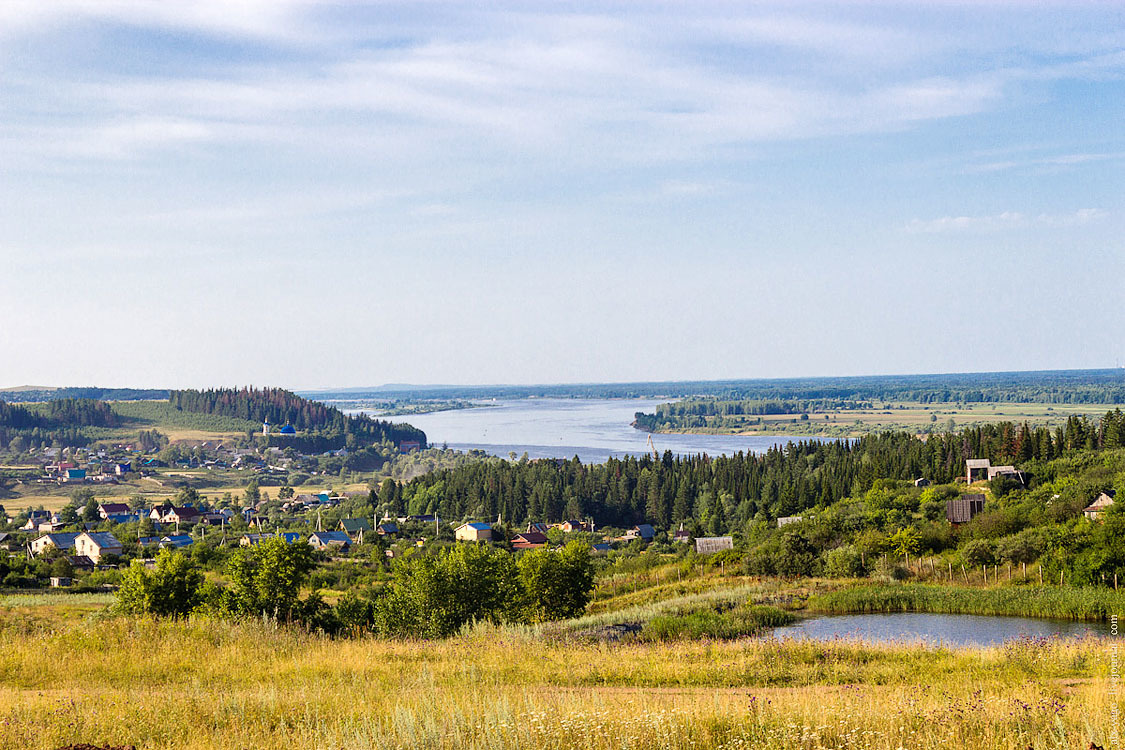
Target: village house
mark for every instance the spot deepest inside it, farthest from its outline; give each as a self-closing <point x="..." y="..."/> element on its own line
<point x="45" y="542"/>
<point x="1094" y="510"/>
<point x="985" y="470"/>
<point x="572" y="525"/>
<point x="105" y="510"/>
<point x="473" y="532"/>
<point x="34" y="518"/>
<point x="529" y="540"/>
<point x="97" y="544"/>
<point x="249" y="540"/>
<point x="323" y="539"/>
<point x="354" y="526"/>
<point x="980" y="466"/>
<point x="177" y="541"/>
<point x="681" y="535"/>
<point x="387" y="528"/>
<point x="641" y="531"/>
<point x="708" y="545"/>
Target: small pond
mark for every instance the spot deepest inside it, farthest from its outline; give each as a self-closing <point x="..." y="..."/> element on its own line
<point x="934" y="629"/>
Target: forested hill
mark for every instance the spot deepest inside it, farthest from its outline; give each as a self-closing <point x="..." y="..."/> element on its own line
<point x="739" y="488"/>
<point x="319" y="427"/>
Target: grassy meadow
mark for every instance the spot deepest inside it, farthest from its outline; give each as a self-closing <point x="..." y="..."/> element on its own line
<point x="73" y="673"/>
<point x="203" y="684"/>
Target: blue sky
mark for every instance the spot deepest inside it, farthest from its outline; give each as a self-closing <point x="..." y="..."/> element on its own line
<point x="315" y="195"/>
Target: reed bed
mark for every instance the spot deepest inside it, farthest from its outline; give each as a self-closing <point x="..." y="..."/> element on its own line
<point x="207" y="684"/>
<point x="1083" y="604"/>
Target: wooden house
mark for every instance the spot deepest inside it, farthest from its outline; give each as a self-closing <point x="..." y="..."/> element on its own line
<point x="1094" y="510"/>
<point x="962" y="509"/>
<point x="529" y="540"/>
<point x="473" y="532"/>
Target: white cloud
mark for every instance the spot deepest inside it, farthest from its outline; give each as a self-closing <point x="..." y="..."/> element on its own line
<point x="1060" y="161"/>
<point x="1007" y="220"/>
<point x="252" y="18"/>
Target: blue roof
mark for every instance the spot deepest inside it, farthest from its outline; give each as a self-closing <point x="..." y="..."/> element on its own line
<point x="324" y="537"/>
<point x="180" y="540"/>
<point x="288" y="430"/>
<point x="479" y="526"/>
<point x="103" y="538"/>
<point x="62" y="541"/>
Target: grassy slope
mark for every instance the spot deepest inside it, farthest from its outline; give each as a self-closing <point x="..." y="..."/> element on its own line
<point x="216" y="685"/>
<point x="68" y="674"/>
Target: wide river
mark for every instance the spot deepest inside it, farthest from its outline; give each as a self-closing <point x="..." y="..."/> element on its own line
<point x="592" y="429"/>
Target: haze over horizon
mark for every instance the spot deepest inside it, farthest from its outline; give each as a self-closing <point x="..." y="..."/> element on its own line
<point x="307" y="195"/>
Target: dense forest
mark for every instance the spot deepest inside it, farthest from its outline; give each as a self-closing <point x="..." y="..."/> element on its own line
<point x="1048" y="386"/>
<point x="741" y="488"/>
<point x="62" y="421"/>
<point x="319" y="427"/>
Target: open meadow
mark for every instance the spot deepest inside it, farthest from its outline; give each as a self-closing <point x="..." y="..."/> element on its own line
<point x="75" y="673"/>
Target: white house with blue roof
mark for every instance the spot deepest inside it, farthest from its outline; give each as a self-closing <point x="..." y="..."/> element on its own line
<point x="473" y="532"/>
<point x="96" y="544"/>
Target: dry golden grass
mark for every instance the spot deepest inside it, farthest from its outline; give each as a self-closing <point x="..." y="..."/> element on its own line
<point x="205" y="684"/>
<point x="188" y="435"/>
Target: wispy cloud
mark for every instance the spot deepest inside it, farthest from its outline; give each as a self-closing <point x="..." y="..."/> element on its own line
<point x="1007" y="220"/>
<point x="1056" y="162"/>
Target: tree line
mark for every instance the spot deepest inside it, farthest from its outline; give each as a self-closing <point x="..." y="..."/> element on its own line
<point x="430" y="595"/>
<point x="726" y="492"/>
